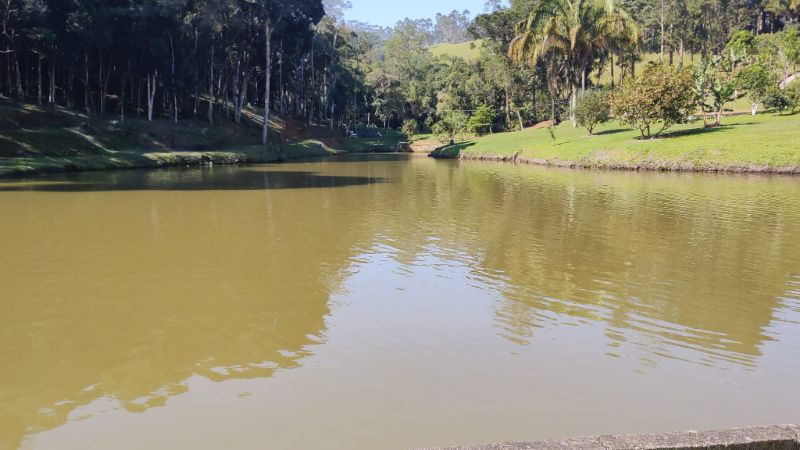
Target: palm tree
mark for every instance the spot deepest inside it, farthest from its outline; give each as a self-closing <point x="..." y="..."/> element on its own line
<point x="572" y="32"/>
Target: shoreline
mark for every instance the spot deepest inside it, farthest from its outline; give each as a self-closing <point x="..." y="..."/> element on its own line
<point x="765" y="143"/>
<point x="609" y="164"/>
<point x="778" y="437"/>
<point x="17" y="168"/>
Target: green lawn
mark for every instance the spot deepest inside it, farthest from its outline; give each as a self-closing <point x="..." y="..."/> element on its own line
<point x="762" y="142"/>
<point x="387" y="141"/>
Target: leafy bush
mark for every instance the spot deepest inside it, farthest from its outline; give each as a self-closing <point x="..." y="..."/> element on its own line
<point x="481" y="122"/>
<point x="593" y="108"/>
<point x="451" y="126"/>
<point x="792" y="93"/>
<point x="661" y="95"/>
<point x="409" y="128"/>
<point x="776" y="99"/>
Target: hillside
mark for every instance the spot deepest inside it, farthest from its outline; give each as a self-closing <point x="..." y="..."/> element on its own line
<point x="36" y="139"/>
<point x="469" y="51"/>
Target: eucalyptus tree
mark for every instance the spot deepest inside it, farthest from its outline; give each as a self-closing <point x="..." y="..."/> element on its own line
<point x="289" y="19"/>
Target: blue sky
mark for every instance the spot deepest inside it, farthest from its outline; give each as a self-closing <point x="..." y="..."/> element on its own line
<point x="389" y="12"/>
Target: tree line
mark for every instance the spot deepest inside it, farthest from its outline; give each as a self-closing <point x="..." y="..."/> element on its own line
<point x="211" y="59"/>
<point x="165" y="58"/>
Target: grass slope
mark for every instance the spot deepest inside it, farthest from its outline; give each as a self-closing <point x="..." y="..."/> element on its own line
<point x="765" y="142"/>
<point x="37" y="139"/>
<point x="469" y="51"/>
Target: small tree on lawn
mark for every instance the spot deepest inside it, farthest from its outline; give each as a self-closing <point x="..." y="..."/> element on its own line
<point x="776" y="99"/>
<point x="481" y="122"/>
<point x="409" y="128"/>
<point x="660" y="96"/>
<point x="713" y="80"/>
<point x="755" y="80"/>
<point x="450" y="127"/>
<point x="593" y="108"/>
<point x="722" y="91"/>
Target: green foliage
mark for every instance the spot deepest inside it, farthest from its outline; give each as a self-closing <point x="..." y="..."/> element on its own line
<point x="776" y="99"/>
<point x="792" y="94"/>
<point x="661" y="95"/>
<point x="790" y="43"/>
<point x="742" y="44"/>
<point x="593" y="108"/>
<point x="482" y="120"/>
<point x="755" y="80"/>
<point x="551" y="130"/>
<point x="713" y="80"/>
<point x="409" y="128"/>
<point x="450" y="127"/>
<point x="565" y="36"/>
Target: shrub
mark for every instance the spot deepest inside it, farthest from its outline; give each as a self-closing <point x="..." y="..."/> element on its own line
<point x="776" y="99"/>
<point x="593" y="108"/>
<point x="481" y="122"/>
<point x="661" y="95"/>
<point x="451" y="126"/>
<point x="792" y="93"/>
<point x="409" y="128"/>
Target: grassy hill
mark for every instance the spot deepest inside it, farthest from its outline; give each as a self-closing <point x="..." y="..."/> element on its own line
<point x="763" y="143"/>
<point x="469" y="51"/>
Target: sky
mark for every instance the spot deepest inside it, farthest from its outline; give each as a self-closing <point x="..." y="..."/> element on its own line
<point x="388" y="12"/>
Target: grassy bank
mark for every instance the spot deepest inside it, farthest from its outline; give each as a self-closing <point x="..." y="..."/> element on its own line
<point x="761" y="143"/>
<point x="37" y="140"/>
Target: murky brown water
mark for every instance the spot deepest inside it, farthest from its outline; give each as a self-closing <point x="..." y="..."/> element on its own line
<point x="388" y="302"/>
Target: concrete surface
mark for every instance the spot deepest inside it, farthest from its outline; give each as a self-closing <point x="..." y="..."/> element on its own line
<point x="779" y="437"/>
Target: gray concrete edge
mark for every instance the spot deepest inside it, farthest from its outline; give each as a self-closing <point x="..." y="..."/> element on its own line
<point x="777" y="437"/>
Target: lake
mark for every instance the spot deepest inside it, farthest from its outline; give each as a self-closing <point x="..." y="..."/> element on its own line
<point x="389" y="301"/>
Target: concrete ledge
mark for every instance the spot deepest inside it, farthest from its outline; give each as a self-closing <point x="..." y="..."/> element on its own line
<point x="779" y="437"/>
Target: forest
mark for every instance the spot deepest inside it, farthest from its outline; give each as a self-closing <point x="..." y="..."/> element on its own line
<point x="300" y="59"/>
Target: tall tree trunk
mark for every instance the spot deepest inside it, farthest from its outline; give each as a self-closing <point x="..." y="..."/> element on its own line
<point x="100" y="82"/>
<point x="237" y="113"/>
<point x="151" y="94"/>
<point x="20" y="90"/>
<point x="282" y="90"/>
<point x="39" y="80"/>
<point x="267" y="81"/>
<point x="211" y="86"/>
<point x="86" y="83"/>
<point x="573" y="103"/>
<point x="661" y="22"/>
<point x="507" y="106"/>
<point x="173" y="85"/>
<point x="313" y="82"/>
<point x="611" y="57"/>
<point x="52" y="91"/>
<point x="196" y="74"/>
